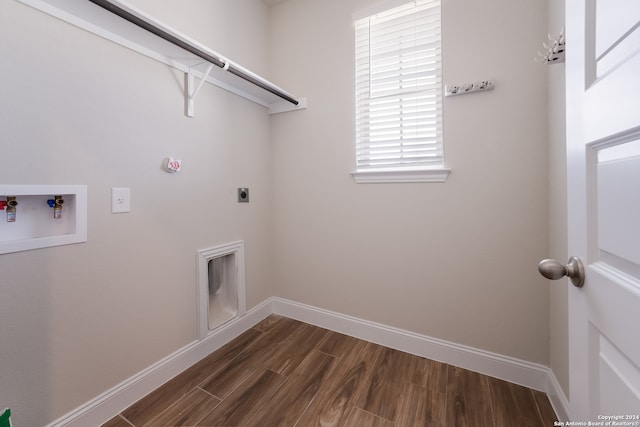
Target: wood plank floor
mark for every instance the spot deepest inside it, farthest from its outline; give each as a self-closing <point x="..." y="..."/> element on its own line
<point x="287" y="373"/>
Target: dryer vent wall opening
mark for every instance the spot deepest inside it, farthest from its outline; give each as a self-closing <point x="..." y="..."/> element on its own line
<point x="221" y="295"/>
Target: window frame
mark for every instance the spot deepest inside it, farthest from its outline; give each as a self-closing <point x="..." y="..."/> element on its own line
<point x="407" y="172"/>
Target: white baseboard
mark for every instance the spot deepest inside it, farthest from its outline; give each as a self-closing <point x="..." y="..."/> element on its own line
<point x="557" y="397"/>
<point x="110" y="403"/>
<point x="531" y="375"/>
<point x="507" y="368"/>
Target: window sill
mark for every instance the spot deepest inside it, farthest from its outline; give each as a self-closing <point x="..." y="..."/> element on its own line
<point x="389" y="176"/>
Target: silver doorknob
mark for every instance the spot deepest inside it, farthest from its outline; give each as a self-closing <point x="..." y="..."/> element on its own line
<point x="554" y="270"/>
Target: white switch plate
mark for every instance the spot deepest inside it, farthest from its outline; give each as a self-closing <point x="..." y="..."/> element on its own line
<point x="120" y="200"/>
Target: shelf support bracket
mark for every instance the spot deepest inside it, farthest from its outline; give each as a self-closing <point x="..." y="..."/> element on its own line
<point x="192" y="91"/>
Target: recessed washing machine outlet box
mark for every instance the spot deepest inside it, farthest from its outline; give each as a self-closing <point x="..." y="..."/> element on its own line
<point x="36" y="223"/>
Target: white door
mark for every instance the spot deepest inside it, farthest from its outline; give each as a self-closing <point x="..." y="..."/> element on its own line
<point x="603" y="167"/>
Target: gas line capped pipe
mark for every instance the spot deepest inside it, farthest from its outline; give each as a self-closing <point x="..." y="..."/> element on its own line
<point x="11" y="208"/>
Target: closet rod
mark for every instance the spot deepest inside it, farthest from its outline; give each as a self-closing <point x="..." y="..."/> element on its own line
<point x="105" y="4"/>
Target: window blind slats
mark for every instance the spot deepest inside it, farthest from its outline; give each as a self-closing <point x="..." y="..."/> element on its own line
<point x="408" y="149"/>
<point x="389" y="120"/>
<point x="399" y="88"/>
<point x="403" y="16"/>
<point x="418" y="35"/>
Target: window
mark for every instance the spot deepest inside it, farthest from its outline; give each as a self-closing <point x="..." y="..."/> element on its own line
<point x="399" y="95"/>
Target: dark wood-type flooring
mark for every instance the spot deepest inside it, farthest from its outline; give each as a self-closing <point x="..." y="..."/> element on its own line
<point x="283" y="372"/>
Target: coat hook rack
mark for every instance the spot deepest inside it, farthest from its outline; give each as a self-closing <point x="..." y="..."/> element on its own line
<point x="554" y="50"/>
<point x="464" y="88"/>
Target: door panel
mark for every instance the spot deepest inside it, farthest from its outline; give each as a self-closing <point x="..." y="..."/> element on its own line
<point x="614" y="347"/>
<point x="603" y="183"/>
<point x="611" y="40"/>
<point x="617" y="378"/>
<point x="617" y="36"/>
<point x="619" y="208"/>
<point x="612" y="29"/>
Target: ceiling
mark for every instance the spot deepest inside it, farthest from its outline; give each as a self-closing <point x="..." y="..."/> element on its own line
<point x="273" y="2"/>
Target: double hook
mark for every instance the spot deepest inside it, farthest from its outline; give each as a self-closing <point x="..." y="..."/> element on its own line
<point x="554" y="50"/>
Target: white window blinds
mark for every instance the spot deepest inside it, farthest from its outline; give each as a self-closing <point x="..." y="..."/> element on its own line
<point x="399" y="89"/>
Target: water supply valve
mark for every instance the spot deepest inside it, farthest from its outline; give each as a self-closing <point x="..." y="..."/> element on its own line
<point x="56" y="203"/>
<point x="12" y="203"/>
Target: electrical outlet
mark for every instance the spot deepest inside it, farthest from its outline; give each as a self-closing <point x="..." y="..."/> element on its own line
<point x="120" y="200"/>
<point x="243" y="195"/>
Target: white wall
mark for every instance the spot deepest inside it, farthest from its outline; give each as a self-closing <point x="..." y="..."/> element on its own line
<point x="456" y="261"/>
<point x="558" y="302"/>
<point x="76" y="109"/>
